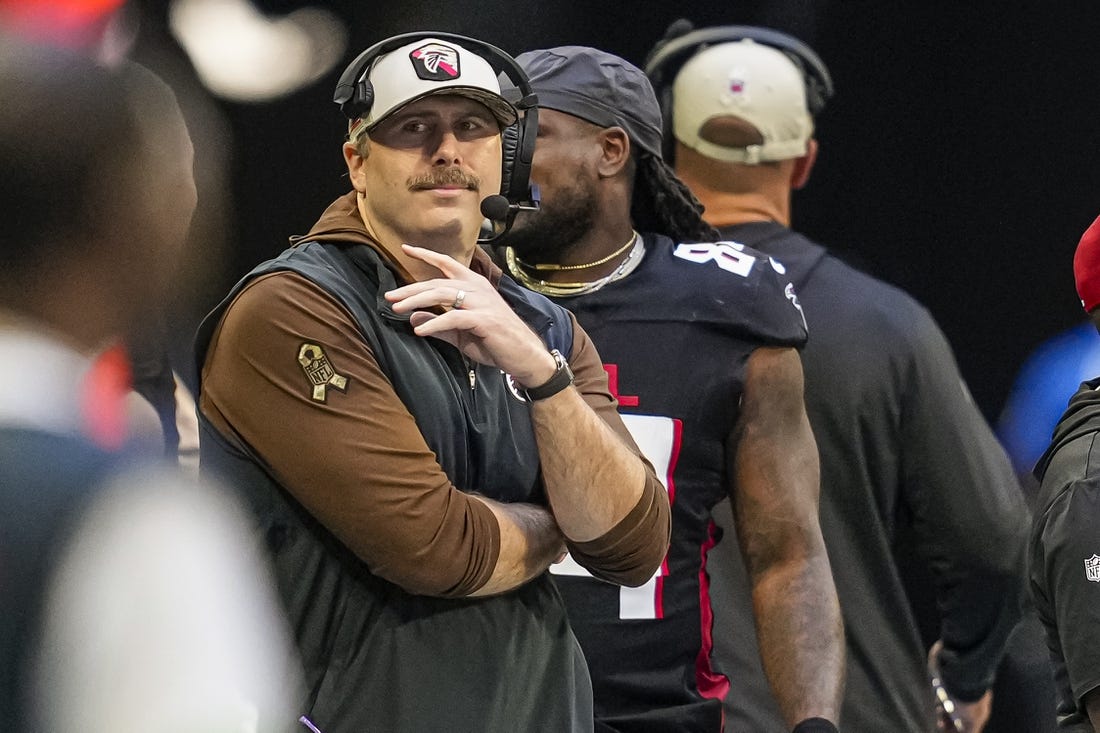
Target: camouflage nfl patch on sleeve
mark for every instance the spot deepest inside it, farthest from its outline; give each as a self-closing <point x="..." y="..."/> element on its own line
<point x="320" y="372"/>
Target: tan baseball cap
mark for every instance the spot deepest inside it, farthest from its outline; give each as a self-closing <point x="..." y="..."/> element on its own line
<point x="425" y="67"/>
<point x="753" y="82"/>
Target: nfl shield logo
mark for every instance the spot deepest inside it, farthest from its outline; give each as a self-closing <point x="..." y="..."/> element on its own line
<point x="1092" y="568"/>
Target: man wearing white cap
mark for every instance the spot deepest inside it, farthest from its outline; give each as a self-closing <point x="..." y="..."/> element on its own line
<point x="904" y="450"/>
<point x="418" y="436"/>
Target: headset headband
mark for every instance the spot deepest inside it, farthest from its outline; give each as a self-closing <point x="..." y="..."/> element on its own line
<point x="668" y="56"/>
<point x="354" y="95"/>
<point x="501" y="62"/>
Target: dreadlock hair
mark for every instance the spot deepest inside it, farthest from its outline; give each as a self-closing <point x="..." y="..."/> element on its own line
<point x="664" y="205"/>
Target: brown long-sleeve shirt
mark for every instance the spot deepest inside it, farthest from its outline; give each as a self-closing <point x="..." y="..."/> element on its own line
<point x="357" y="460"/>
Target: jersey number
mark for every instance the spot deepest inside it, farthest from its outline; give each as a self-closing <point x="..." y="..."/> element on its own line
<point x="659" y="439"/>
<point x="726" y="255"/>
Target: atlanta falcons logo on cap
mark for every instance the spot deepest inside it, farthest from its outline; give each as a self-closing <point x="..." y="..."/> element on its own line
<point x="435" y="62"/>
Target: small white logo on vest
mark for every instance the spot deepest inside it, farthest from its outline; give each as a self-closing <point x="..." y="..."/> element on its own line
<point x="1092" y="568"/>
<point x="793" y="297"/>
<point x="510" y="381"/>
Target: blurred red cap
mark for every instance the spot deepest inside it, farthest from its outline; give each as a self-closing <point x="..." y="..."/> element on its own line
<point x="1086" y="266"/>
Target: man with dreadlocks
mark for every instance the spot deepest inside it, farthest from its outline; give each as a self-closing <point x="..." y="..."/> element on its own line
<point x="700" y="341"/>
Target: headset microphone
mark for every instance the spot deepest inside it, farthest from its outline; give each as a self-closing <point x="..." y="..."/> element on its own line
<point x="495" y="207"/>
<point x="498" y="208"/>
<point x="499" y="211"/>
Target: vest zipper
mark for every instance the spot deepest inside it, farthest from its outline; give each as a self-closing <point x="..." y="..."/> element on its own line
<point x="471" y="378"/>
<point x="470" y="373"/>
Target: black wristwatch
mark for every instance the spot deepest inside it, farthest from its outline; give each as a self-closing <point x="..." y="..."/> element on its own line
<point x="562" y="378"/>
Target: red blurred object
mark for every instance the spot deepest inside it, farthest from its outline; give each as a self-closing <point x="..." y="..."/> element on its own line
<point x="103" y="402"/>
<point x="1086" y="267"/>
<point x="76" y="24"/>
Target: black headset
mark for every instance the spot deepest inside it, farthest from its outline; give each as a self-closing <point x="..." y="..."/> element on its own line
<point x="681" y="42"/>
<point x="355" y="95"/>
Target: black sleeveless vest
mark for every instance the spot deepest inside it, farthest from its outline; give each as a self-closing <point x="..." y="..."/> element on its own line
<point x="375" y="656"/>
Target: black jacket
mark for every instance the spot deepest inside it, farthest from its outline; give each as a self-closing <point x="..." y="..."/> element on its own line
<point x="1064" y="554"/>
<point x="907" y="462"/>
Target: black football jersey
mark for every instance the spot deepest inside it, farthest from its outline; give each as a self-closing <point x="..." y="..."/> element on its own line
<point x="674" y="336"/>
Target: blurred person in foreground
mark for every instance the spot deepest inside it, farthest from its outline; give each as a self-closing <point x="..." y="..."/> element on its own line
<point x="702" y="340"/>
<point x="418" y="436"/>
<point x="903" y="448"/>
<point x="1065" y="538"/>
<point x="128" y="600"/>
<point x="110" y="32"/>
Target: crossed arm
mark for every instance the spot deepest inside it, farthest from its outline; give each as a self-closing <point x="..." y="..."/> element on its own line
<point x="601" y="493"/>
<point x="605" y="497"/>
<point x="775" y="499"/>
<point x="359" y="464"/>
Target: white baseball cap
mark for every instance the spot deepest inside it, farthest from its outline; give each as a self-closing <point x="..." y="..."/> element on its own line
<point x="753" y="82"/>
<point x="425" y="67"/>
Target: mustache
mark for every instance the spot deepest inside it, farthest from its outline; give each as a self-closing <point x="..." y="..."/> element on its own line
<point x="452" y="176"/>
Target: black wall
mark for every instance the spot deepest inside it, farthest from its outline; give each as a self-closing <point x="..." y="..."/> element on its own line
<point x="960" y="156"/>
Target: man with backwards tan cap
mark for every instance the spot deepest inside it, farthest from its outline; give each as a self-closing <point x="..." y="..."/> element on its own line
<point x="904" y="450"/>
<point x="405" y="424"/>
<point x="1064" y="551"/>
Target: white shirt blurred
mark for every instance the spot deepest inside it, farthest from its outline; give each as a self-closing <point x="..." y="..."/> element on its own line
<point x="160" y="615"/>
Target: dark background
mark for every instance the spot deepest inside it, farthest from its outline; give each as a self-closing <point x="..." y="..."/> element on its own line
<point x="959" y="156"/>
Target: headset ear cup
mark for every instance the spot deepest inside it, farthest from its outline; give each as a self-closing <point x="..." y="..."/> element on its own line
<point x="509" y="145"/>
<point x="662" y="68"/>
<point x="668" y="135"/>
<point x="361" y="97"/>
<point x="815" y="96"/>
<point x="518" y="143"/>
<point x="364" y="98"/>
<point x="521" y="164"/>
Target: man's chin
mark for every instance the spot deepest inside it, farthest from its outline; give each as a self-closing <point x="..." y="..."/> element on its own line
<point x="435" y="229"/>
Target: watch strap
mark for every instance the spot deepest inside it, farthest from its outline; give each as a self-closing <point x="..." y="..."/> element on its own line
<point x="562" y="378"/>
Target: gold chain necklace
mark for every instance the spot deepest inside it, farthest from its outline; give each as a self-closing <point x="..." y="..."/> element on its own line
<point x="550" y="266"/>
<point x="564" y="290"/>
